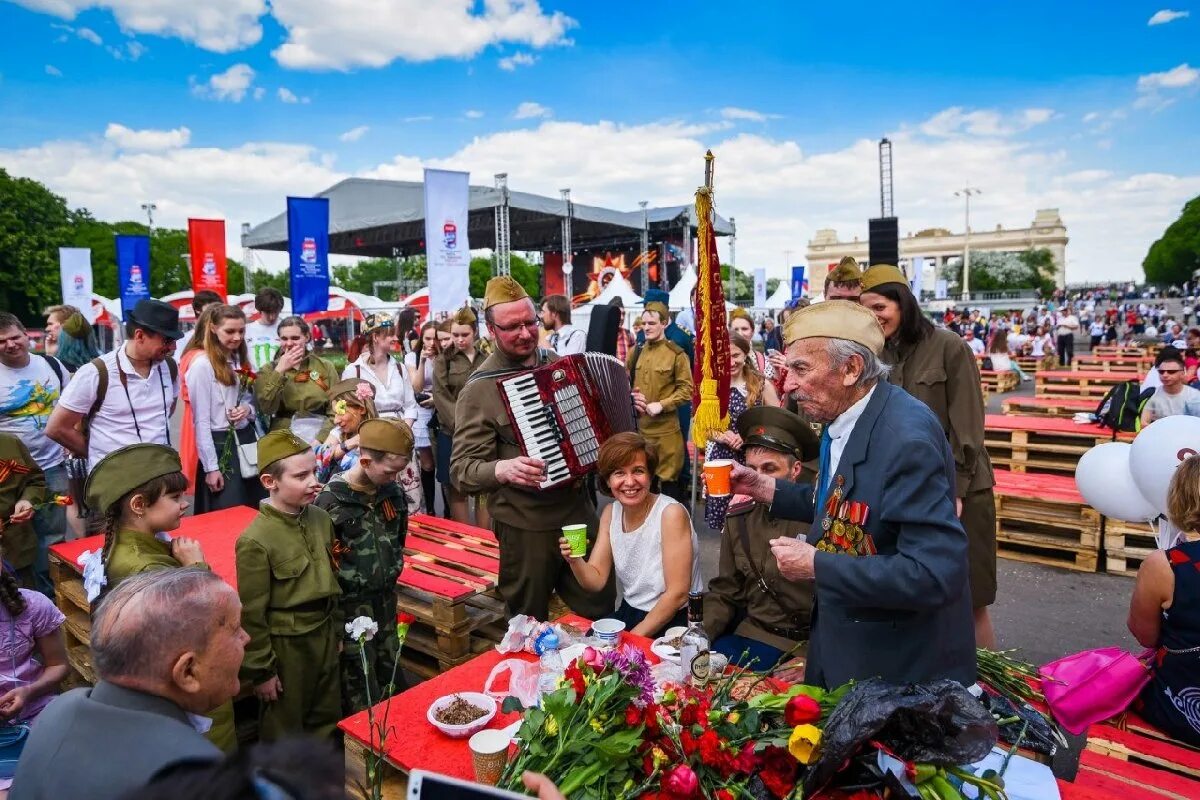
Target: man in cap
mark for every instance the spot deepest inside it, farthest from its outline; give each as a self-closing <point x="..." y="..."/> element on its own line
<point x="125" y="396"/>
<point x="370" y="520"/>
<point x="486" y="459"/>
<point x="749" y="606"/>
<point x="662" y="382"/>
<point x="886" y="554"/>
<point x="844" y="282"/>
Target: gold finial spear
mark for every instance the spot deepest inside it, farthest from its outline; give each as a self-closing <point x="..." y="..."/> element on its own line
<point x="709" y="158"/>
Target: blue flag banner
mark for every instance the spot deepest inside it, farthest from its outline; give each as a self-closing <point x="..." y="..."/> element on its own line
<point x="308" y="253"/>
<point x="133" y="271"/>
<point x="799" y="283"/>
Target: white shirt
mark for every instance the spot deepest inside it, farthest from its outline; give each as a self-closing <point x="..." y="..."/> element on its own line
<point x="262" y="341"/>
<point x="394" y="398"/>
<point x="27" y="397"/>
<point x="841" y="428"/>
<point x="975" y="345"/>
<point x="637" y="555"/>
<point x="211" y="400"/>
<point x="568" y="340"/>
<point x="139" y="414"/>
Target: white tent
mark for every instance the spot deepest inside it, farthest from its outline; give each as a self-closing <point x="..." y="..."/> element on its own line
<point x="681" y="293"/>
<point x="618" y="287"/>
<point x="781" y="297"/>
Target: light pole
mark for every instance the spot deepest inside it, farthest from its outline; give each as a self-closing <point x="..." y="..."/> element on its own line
<point x="644" y="282"/>
<point x="966" y="193"/>
<point x="150" y="208"/>
<point x="568" y="266"/>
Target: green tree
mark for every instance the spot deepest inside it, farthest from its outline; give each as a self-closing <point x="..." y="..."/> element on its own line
<point x="34" y="223"/>
<point x="1176" y="255"/>
<point x="993" y="271"/>
<point x="525" y="272"/>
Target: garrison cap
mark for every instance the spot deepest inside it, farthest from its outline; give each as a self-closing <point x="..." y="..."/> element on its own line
<point x="125" y="469"/>
<point x="780" y="430"/>
<point x="278" y="445"/>
<point x="847" y="271"/>
<point x="741" y="313"/>
<point x="503" y="289"/>
<point x="835" y="319"/>
<point x="467" y="316"/>
<point x="661" y="309"/>
<point x="377" y="321"/>
<point x="881" y="274"/>
<point x="352" y="391"/>
<point x="386" y="436"/>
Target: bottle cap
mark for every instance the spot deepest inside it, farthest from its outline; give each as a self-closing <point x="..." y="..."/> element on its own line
<point x="547" y="640"/>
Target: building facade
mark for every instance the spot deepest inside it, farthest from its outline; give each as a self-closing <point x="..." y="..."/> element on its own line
<point x="940" y="247"/>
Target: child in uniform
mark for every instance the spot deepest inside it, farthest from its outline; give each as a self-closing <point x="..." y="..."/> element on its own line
<point x="22" y="487"/>
<point x="289" y="595"/>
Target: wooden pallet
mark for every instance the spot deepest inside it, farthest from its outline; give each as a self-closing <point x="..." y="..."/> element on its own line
<point x="1047" y="551"/>
<point x="1031" y="364"/>
<point x="1146" y="746"/>
<point x="999" y="381"/>
<point x="1044" y="511"/>
<point x="1039" y="444"/>
<point x="1116" y="350"/>
<point x="395" y="781"/>
<point x="71" y="600"/>
<point x="1138" y="364"/>
<point x="1077" y="383"/>
<point x="1103" y="777"/>
<point x="1063" y="407"/>
<point x="1127" y="545"/>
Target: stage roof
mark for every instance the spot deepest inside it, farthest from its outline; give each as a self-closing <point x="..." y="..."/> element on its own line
<point x="372" y="217"/>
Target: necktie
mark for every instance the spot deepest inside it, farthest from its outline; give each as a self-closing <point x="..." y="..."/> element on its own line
<point x="822" y="477"/>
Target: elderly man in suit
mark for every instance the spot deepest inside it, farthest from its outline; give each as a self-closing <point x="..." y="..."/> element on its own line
<point x="167" y="647"/>
<point x="886" y="554"/>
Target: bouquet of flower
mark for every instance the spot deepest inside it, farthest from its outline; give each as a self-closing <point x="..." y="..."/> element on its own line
<point x="360" y="630"/>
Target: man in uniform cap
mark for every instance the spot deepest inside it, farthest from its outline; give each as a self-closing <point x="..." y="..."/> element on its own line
<point x="662" y="382"/>
<point x="486" y="459"/>
<point x="844" y="282"/>
<point x="370" y="520"/>
<point x="774" y="612"/>
<point x="886" y="554"/>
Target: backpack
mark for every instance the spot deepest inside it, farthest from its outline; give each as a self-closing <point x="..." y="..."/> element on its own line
<point x="1121" y="407"/>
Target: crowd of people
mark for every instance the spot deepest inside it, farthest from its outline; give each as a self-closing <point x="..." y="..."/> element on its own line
<point x="856" y="425"/>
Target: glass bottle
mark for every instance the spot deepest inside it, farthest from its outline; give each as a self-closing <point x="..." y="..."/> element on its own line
<point x="694" y="649"/>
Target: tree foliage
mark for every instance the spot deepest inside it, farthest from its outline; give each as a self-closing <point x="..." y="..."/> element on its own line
<point x="34" y="223"/>
<point x="992" y="271"/>
<point x="1176" y="255"/>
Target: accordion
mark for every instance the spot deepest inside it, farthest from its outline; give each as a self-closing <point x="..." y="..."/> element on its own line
<point x="562" y="412"/>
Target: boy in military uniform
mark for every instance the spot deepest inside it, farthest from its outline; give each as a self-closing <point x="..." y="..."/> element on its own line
<point x="22" y="487"/>
<point x="370" y="519"/>
<point x="750" y="608"/>
<point x="662" y="381"/>
<point x="289" y="595"/>
<point x="845" y="281"/>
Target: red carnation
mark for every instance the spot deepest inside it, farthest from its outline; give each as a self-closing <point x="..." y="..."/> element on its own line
<point x="746" y="762"/>
<point x="404" y="618"/>
<point x="573" y="674"/>
<point x="802" y="710"/>
<point x="651" y="720"/>
<point x="687" y="741"/>
<point x="633" y="715"/>
<point x="681" y="782"/>
<point x="724" y="794"/>
<point x="778" y="770"/>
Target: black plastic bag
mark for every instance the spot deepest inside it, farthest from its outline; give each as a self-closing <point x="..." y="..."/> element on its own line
<point x="938" y="722"/>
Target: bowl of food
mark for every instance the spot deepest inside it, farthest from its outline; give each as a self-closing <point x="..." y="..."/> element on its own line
<point x="667" y="646"/>
<point x="461" y="714"/>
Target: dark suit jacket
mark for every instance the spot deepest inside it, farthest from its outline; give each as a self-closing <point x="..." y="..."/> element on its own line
<point x="904" y="614"/>
<point x="103" y="742"/>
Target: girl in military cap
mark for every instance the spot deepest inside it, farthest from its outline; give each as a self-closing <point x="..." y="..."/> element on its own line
<point x="370" y="356"/>
<point x="351" y="403"/>
<point x="296" y="382"/>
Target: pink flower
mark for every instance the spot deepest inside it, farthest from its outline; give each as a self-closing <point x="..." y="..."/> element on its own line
<point x="593" y="658"/>
<point x="681" y="782"/>
<point x="364" y="391"/>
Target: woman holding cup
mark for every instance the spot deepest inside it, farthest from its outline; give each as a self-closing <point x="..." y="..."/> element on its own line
<point x="646" y="536"/>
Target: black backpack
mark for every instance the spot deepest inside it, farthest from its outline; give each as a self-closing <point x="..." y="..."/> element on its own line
<point x="1121" y="408"/>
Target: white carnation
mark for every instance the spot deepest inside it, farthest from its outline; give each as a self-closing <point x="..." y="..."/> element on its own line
<point x="362" y="629"/>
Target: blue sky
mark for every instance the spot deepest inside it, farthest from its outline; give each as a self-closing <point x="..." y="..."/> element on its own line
<point x="224" y="107"/>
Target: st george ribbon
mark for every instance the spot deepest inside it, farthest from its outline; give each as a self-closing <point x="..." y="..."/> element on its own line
<point x="308" y="253"/>
<point x="133" y="270"/>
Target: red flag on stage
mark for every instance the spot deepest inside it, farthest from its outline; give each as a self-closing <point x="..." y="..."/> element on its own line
<point x="206" y="241"/>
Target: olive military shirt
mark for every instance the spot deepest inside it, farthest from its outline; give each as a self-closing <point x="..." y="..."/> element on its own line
<point x="134" y="552"/>
<point x="450" y="372"/>
<point x="664" y="375"/>
<point x="20" y="541"/>
<point x="280" y="395"/>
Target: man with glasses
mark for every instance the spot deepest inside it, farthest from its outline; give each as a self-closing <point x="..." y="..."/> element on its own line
<point x="1174" y="396"/>
<point x="487" y="460"/>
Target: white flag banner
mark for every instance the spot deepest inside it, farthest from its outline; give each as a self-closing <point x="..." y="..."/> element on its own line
<point x="447" y="250"/>
<point x="760" y="287"/>
<point x="75" y="269"/>
<point x="917" y="275"/>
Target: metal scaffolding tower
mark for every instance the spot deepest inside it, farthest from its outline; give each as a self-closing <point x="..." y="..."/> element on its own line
<point x="885" y="179"/>
<point x="645" y="281"/>
<point x="503" y="252"/>
<point x="568" y="265"/>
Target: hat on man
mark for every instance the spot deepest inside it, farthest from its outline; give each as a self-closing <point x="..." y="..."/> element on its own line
<point x="661" y="309"/>
<point x="835" y="319"/>
<point x="125" y="469"/>
<point x="156" y="317"/>
<point x="76" y="326"/>
<point x="503" y="289"/>
<point x="881" y="274"/>
<point x="847" y="271"/>
<point x="780" y="430"/>
<point x="386" y="436"/>
<point x="278" y="445"/>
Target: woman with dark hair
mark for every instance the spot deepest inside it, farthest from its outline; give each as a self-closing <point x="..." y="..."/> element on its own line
<point x="406" y="329"/>
<point x="296" y="382"/>
<point x="938" y="368"/>
<point x="450" y="373"/>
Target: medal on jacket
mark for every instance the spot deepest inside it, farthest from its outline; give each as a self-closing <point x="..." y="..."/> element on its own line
<point x="831" y="505"/>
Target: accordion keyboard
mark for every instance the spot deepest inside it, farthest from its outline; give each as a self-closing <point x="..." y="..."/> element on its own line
<point x="539" y="429"/>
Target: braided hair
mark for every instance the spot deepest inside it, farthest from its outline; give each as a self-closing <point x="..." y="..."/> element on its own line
<point x="152" y="490"/>
<point x="10" y="594"/>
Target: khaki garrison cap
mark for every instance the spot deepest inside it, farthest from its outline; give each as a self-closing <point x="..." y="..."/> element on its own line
<point x="386" y="436"/>
<point x="835" y="319"/>
<point x="278" y="445"/>
<point x="661" y="309"/>
<point x="780" y="430"/>
<point x="881" y="274"/>
<point x="125" y="469"/>
<point x="503" y="289"/>
<point x="847" y="271"/>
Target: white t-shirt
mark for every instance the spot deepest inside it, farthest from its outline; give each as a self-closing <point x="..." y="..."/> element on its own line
<point x="976" y="346"/>
<point x="262" y="341"/>
<point x="1162" y="404"/>
<point x="140" y="415"/>
<point x="638" y="557"/>
<point x="27" y="397"/>
<point x="1000" y="362"/>
<point x="393" y="399"/>
<point x="568" y="340"/>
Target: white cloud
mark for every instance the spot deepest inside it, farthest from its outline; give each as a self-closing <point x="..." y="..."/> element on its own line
<point x="473" y="114"/>
<point x="354" y="134"/>
<point x="231" y="85"/>
<point x="1165" y="16"/>
<point x="734" y="113"/>
<point x="89" y="35"/>
<point x="530" y="110"/>
<point x="259" y="92"/>
<point x="1175" y="78"/>
<point x="218" y="25"/>
<point x="956" y="121"/>
<point x="53" y="71"/>
<point x="1091" y="116"/>
<point x="286" y="95"/>
<point x="343" y="34"/>
<point x="420" y="118"/>
<point x="136" y="50"/>
<point x="510" y="63"/>
<point x="148" y="139"/>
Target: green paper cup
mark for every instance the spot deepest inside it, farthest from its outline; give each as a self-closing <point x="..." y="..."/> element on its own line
<point x="576" y="536"/>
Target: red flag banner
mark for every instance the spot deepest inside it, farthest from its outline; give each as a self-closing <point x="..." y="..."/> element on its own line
<point x="206" y="241"/>
<point x="710" y="371"/>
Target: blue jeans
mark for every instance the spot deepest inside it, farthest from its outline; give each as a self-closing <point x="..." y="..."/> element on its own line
<point x="740" y="650"/>
<point x="50" y="524"/>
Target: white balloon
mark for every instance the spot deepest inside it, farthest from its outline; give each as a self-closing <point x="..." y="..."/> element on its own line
<point x="1104" y="479"/>
<point x="1157" y="452"/>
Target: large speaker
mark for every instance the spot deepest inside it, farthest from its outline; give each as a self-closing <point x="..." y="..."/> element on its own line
<point x="884" y="247"/>
<point x="602" y="329"/>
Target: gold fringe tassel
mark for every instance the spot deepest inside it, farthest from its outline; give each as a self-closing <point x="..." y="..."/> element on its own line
<point x="707" y="416"/>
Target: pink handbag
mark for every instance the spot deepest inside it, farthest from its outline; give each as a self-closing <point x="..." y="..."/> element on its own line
<point x="1095" y="685"/>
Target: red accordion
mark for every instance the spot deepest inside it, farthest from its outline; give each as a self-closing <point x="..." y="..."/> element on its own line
<point x="562" y="412"/>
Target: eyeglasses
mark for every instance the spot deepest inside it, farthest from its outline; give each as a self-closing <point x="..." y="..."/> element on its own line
<point x="530" y="324"/>
<point x="1169" y="371"/>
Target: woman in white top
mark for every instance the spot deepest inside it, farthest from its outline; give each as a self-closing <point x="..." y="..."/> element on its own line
<point x="420" y="370"/>
<point x="646" y="536"/>
<point x="1042" y="343"/>
<point x="220" y="385"/>
<point x="371" y="360"/>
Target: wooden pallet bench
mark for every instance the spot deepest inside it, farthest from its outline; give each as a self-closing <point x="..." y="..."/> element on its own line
<point x="449" y="585"/>
<point x="1127" y="545"/>
<point x="1078" y="383"/>
<point x="1123" y="350"/>
<point x="1031" y="364"/>
<point x="999" y="381"/>
<point x="1143" y="757"/>
<point x="1041" y="444"/>
<point x="1064" y="407"/>
<point x="1139" y="364"/>
<point x="1043" y="519"/>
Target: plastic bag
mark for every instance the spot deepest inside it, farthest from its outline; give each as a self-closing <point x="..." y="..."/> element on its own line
<point x="520" y="630"/>
<point x="522" y="681"/>
<point x="938" y="722"/>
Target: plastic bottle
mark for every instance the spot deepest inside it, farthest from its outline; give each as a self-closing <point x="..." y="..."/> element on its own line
<point x="551" y="665"/>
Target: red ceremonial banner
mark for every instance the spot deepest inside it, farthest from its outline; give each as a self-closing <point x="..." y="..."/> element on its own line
<point x="206" y="241"/>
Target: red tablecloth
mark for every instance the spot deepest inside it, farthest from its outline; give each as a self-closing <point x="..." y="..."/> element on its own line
<point x="412" y="743"/>
<point x="1009" y="422"/>
<point x="216" y="531"/>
